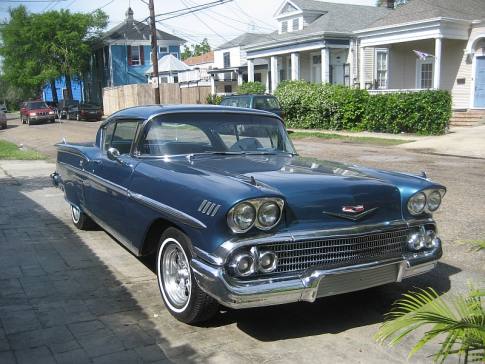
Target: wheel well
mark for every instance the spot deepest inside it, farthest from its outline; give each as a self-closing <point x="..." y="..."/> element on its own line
<point x="152" y="237"/>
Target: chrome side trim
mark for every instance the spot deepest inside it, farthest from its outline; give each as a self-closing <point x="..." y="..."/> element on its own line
<point x="168" y="211"/>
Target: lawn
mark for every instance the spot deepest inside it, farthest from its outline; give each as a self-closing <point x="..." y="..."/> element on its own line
<point x="348" y="139"/>
<point x="11" y="151"/>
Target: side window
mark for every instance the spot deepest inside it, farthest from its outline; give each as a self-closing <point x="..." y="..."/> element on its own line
<point x="174" y="138"/>
<point x="120" y="135"/>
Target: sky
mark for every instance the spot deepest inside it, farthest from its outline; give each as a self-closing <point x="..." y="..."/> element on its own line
<point x="218" y="24"/>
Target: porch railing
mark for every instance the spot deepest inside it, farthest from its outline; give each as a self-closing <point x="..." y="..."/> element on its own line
<point x="396" y="90"/>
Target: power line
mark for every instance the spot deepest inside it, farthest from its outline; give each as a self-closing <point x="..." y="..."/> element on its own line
<point x="191" y="10"/>
<point x="206" y="25"/>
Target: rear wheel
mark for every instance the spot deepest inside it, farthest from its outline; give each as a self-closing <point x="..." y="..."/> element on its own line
<point x="180" y="292"/>
<point x="80" y="219"/>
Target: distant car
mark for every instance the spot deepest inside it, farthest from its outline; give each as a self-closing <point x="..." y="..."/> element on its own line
<point x="259" y="102"/>
<point x="63" y="107"/>
<point x="3" y="108"/>
<point x="3" y="120"/>
<point x="36" y="111"/>
<point x="85" y="111"/>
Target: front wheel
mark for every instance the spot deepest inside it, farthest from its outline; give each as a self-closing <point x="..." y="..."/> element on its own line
<point x="80" y="219"/>
<point x="180" y="292"/>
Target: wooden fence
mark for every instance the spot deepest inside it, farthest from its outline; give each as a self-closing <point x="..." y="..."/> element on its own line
<point x="120" y="97"/>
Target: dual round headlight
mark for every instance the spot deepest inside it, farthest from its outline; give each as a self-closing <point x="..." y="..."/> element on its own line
<point x="262" y="213"/>
<point x="428" y="200"/>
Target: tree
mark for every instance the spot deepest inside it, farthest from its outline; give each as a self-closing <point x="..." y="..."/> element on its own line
<point x="460" y="320"/>
<point x="196" y="49"/>
<point x="41" y="47"/>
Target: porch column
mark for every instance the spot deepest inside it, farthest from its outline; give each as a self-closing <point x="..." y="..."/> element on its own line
<point x="240" y="79"/>
<point x="325" y="52"/>
<point x="361" y="58"/>
<point x="213" y="84"/>
<point x="275" y="77"/>
<point x="268" y="70"/>
<point x="437" y="63"/>
<point x="250" y="70"/>
<point x="295" y="66"/>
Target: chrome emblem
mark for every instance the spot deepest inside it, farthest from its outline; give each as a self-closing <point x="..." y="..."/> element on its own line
<point x="353" y="209"/>
<point x="353" y="213"/>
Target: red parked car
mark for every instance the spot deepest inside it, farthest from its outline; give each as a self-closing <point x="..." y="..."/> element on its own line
<point x="36" y="111"/>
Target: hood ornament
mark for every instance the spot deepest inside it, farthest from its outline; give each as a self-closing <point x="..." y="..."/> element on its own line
<point x="353" y="213"/>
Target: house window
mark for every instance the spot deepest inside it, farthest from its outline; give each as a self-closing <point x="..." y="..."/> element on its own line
<point x="227" y="59"/>
<point x="135" y="56"/>
<point x="284" y="26"/>
<point x="257" y="77"/>
<point x="162" y="49"/>
<point x="227" y="89"/>
<point x="382" y="68"/>
<point x="296" y="24"/>
<point x="424" y="76"/>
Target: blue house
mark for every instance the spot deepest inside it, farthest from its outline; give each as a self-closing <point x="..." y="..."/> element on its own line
<point x="124" y="55"/>
<point x="77" y="88"/>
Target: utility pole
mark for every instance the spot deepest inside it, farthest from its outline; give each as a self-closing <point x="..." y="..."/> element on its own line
<point x="153" y="27"/>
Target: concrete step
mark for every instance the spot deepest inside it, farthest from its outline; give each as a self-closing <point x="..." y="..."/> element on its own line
<point x="463" y="124"/>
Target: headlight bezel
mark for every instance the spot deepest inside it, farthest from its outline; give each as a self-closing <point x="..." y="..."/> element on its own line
<point x="427" y="193"/>
<point x="257" y="203"/>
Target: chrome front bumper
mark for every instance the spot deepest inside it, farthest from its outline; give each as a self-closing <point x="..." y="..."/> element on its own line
<point x="312" y="284"/>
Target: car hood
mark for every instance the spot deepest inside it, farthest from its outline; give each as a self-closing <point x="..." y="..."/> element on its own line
<point x="315" y="191"/>
<point x="40" y="110"/>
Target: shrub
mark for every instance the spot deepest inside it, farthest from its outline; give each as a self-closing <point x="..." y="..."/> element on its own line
<point x="214" y="99"/>
<point x="252" y="88"/>
<point x="326" y="106"/>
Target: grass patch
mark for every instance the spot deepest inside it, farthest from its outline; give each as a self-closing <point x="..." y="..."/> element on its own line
<point x="347" y="139"/>
<point x="11" y="151"/>
<point x="476" y="245"/>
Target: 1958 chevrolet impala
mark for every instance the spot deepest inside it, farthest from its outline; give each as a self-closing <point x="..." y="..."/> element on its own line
<point x="236" y="217"/>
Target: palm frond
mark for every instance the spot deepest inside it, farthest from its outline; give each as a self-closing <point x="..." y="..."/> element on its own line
<point x="460" y="320"/>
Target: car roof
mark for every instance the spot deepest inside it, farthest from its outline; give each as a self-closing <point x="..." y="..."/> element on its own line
<point x="147" y="111"/>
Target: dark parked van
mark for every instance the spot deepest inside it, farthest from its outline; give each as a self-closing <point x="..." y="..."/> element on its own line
<point x="260" y="102"/>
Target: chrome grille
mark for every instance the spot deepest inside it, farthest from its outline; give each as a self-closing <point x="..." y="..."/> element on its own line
<point x="337" y="252"/>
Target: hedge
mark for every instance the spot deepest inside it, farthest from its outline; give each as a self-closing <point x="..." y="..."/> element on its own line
<point x="252" y="88"/>
<point x="325" y="106"/>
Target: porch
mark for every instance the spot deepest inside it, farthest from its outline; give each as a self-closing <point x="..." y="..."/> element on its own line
<point x="317" y="62"/>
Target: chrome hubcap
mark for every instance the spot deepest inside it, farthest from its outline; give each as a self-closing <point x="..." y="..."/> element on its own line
<point x="176" y="275"/>
<point x="76" y="214"/>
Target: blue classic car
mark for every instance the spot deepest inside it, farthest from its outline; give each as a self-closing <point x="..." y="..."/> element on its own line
<point x="236" y="217"/>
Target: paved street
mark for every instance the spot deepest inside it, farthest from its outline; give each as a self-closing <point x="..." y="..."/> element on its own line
<point x="68" y="296"/>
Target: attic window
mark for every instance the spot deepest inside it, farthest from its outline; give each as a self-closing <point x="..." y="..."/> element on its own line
<point x="284" y="26"/>
<point x="163" y="49"/>
<point x="296" y="24"/>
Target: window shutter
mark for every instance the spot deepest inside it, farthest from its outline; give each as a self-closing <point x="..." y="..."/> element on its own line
<point x="142" y="55"/>
<point x="129" y="55"/>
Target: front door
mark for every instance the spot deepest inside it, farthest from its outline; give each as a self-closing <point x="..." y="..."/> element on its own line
<point x="479" y="100"/>
<point x="316" y="68"/>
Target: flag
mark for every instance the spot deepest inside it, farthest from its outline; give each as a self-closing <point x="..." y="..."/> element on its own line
<point x="422" y="55"/>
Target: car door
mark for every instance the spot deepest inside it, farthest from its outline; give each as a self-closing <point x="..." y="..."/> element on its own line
<point x="107" y="192"/>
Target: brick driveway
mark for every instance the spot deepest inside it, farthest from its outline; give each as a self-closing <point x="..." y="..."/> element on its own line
<point x="68" y="296"/>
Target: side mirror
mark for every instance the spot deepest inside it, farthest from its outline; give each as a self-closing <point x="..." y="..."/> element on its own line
<point x="113" y="154"/>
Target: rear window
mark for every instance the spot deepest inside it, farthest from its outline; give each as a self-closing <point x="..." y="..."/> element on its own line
<point x="37" y="105"/>
<point x="266" y="103"/>
<point x="240" y="101"/>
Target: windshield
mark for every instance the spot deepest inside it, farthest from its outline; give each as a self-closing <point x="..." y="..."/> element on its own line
<point x="266" y="103"/>
<point x="37" y="105"/>
<point x="202" y="133"/>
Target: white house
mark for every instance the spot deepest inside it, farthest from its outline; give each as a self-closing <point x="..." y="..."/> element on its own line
<point x="169" y="68"/>
<point x="230" y="64"/>
<point x="314" y="42"/>
<point x="198" y="74"/>
<point x="450" y="33"/>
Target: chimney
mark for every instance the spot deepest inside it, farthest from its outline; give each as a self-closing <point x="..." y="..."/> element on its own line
<point x="129" y="14"/>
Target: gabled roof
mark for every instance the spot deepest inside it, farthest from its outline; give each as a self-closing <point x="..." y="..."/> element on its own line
<point x="168" y="64"/>
<point x="335" y="18"/>
<point x="244" y="39"/>
<point x="203" y="58"/>
<point x="131" y="29"/>
<point x="416" y="10"/>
